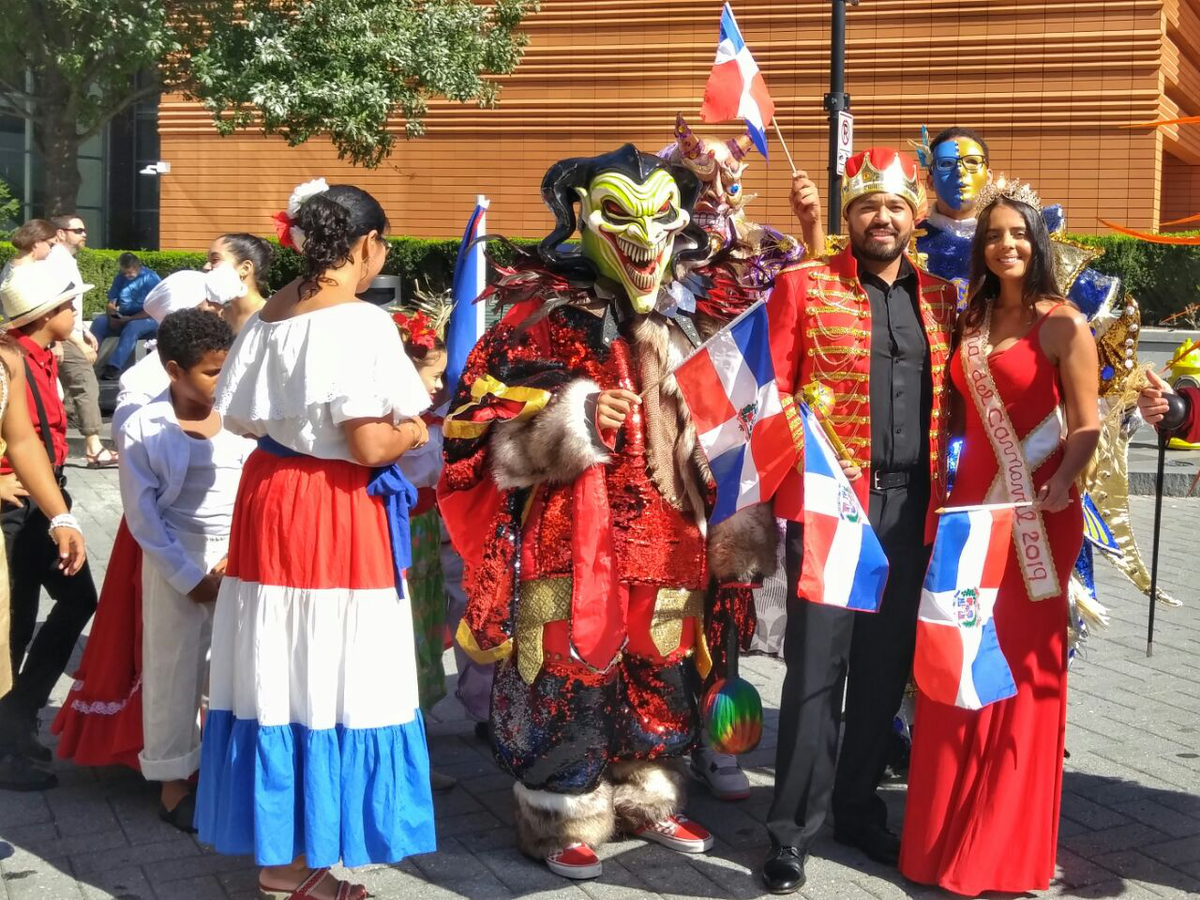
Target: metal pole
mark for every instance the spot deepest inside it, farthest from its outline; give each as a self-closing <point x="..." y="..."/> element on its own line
<point x="837" y="100"/>
<point x="1158" y="498"/>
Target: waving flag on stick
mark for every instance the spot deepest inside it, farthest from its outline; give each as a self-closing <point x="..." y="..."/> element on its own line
<point x="745" y="431"/>
<point x="466" y="324"/>
<point x="958" y="659"/>
<point x="736" y="89"/>
<point x="844" y="563"/>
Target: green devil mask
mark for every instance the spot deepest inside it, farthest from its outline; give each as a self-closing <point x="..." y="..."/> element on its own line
<point x="635" y="220"/>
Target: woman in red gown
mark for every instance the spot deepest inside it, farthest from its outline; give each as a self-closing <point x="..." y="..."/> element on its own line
<point x="984" y="785"/>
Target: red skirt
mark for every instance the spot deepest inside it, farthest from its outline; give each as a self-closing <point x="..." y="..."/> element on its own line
<point x="100" y="724"/>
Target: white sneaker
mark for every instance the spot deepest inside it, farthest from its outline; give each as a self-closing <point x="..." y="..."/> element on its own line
<point x="721" y="773"/>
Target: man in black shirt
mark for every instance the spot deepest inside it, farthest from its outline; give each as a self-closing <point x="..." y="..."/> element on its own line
<point x="874" y="330"/>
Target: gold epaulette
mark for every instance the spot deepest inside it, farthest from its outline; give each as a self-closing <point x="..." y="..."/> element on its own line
<point x="810" y="263"/>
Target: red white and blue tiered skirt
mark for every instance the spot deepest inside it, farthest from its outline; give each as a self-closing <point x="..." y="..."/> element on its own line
<point x="314" y="742"/>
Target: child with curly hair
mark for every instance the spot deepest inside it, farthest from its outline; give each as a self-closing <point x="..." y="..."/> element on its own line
<point x="179" y="478"/>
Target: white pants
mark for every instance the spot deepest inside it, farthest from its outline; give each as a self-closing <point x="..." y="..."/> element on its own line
<point x="176" y="638"/>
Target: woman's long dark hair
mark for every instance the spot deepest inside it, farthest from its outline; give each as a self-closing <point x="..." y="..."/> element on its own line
<point x="1040" y="282"/>
<point x="332" y="222"/>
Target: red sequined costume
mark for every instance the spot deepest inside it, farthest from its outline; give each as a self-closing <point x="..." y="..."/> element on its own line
<point x="586" y="565"/>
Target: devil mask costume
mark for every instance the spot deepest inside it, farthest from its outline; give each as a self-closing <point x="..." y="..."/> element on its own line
<point x="587" y="557"/>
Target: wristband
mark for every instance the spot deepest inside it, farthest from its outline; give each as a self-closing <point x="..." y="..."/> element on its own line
<point x="65" y="520"/>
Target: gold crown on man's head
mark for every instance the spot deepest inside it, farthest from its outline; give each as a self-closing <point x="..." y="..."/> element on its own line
<point x="1014" y="189"/>
<point x="881" y="170"/>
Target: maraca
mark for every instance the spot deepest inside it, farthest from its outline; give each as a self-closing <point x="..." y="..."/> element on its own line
<point x="732" y="708"/>
<point x="733" y="715"/>
<point x="819" y="398"/>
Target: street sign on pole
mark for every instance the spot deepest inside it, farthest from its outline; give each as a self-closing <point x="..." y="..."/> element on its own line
<point x="845" y="140"/>
<point x="837" y="103"/>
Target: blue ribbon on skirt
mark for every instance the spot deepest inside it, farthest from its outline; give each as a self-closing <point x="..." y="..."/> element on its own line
<point x="395" y="492"/>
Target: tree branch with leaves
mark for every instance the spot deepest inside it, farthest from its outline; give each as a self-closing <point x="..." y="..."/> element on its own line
<point x="346" y="69"/>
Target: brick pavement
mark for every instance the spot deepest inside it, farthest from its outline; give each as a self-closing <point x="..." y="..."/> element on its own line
<point x="1131" y="809"/>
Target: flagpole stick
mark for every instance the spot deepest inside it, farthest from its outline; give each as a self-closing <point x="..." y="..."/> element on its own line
<point x="983" y="507"/>
<point x="786" y="151"/>
<point x="1158" y="498"/>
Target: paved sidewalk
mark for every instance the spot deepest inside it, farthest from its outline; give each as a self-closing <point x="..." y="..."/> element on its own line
<point x="1131" y="813"/>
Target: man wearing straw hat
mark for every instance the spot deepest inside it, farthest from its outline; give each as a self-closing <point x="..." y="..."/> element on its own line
<point x="869" y="332"/>
<point x="38" y="302"/>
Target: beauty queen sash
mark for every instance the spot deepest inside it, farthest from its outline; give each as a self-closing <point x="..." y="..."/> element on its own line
<point x="1029" y="531"/>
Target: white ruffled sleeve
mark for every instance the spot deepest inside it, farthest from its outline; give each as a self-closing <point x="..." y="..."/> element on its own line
<point x="385" y="382"/>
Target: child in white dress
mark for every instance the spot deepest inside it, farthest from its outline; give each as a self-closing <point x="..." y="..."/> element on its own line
<point x="179" y="479"/>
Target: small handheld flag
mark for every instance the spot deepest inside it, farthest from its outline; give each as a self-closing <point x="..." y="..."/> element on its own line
<point x="736" y="88"/>
<point x="729" y="387"/>
<point x="844" y="563"/>
<point x="466" y="324"/>
<point x="958" y="659"/>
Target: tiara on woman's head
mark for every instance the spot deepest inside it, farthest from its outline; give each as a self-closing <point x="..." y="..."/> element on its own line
<point x="1017" y="190"/>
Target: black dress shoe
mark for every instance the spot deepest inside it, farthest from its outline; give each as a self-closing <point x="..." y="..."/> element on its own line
<point x="183" y="816"/>
<point x="18" y="734"/>
<point x="20" y="773"/>
<point x="877" y="841"/>
<point x="783" y="872"/>
<point x="28" y="745"/>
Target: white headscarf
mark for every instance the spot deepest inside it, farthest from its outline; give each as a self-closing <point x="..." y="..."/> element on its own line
<point x="186" y="289"/>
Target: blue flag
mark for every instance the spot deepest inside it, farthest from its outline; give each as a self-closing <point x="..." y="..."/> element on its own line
<point x="470" y="277"/>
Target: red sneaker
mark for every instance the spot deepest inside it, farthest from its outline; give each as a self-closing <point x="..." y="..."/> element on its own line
<point x="575" y="861"/>
<point x="679" y="833"/>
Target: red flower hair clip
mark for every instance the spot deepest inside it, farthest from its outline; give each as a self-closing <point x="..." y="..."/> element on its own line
<point x="416" y="330"/>
<point x="283" y="229"/>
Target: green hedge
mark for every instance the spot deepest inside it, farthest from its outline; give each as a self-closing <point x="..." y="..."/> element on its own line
<point x="1165" y="279"/>
<point x="418" y="261"/>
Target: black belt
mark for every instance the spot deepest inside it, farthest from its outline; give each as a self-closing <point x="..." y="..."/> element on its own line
<point x="890" y="481"/>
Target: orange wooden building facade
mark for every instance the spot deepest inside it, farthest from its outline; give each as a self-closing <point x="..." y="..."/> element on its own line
<point x="1049" y="84"/>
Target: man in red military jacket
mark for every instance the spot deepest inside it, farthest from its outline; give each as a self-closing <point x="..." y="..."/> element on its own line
<point x="1174" y="413"/>
<point x="870" y="328"/>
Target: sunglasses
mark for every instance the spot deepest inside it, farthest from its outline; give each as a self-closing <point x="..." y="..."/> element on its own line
<point x="76" y="230"/>
<point x="971" y="164"/>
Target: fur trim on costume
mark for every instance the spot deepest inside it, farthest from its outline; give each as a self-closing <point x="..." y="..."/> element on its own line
<point x="673" y="455"/>
<point x="645" y="792"/>
<point x="548" y="822"/>
<point x="556" y="445"/>
<point x="744" y="547"/>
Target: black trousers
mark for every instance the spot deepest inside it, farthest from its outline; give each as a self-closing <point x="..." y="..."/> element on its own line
<point x="868" y="656"/>
<point x="32" y="565"/>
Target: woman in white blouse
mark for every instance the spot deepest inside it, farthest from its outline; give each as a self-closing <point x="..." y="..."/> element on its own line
<point x="314" y="750"/>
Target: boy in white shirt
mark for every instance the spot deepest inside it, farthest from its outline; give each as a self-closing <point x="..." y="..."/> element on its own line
<point x="179" y="478"/>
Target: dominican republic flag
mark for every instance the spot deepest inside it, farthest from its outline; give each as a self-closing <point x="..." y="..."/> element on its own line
<point x="736" y="89"/>
<point x="729" y="387"/>
<point x="466" y="325"/>
<point x="844" y="563"/>
<point x="958" y="660"/>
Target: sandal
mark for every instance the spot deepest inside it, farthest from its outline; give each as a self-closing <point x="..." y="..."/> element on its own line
<point x="303" y="891"/>
<point x="103" y="459"/>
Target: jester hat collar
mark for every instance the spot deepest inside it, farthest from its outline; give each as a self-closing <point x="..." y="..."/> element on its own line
<point x="635" y="223"/>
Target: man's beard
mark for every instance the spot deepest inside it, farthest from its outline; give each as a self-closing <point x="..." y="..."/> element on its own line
<point x="881" y="251"/>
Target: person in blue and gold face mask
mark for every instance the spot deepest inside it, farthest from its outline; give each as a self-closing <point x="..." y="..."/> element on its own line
<point x="958" y="172"/>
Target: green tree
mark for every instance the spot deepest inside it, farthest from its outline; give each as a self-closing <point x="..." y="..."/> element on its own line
<point x="10" y="206"/>
<point x="296" y="68"/>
